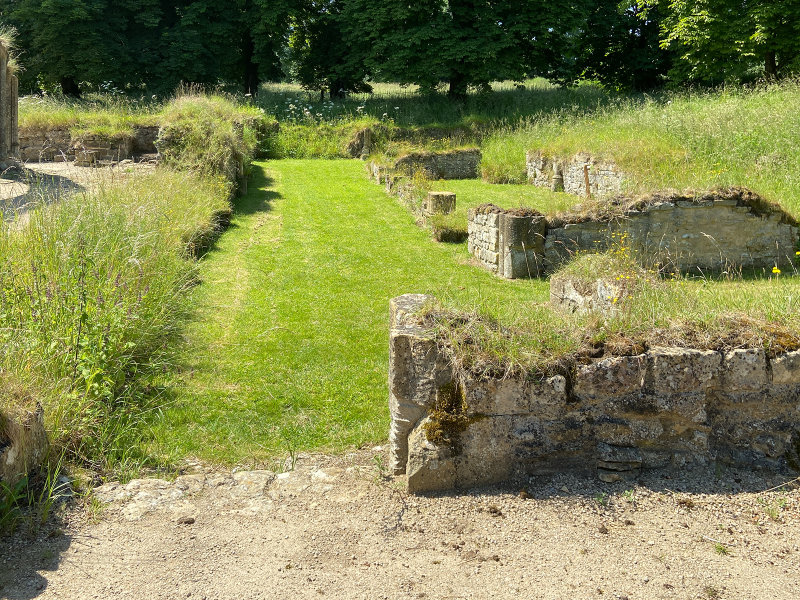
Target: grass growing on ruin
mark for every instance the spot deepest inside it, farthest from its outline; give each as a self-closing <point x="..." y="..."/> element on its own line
<point x="116" y="114"/>
<point x="98" y="113"/>
<point x="290" y="348"/>
<point x="682" y="311"/>
<point x="734" y="136"/>
<point x="471" y="193"/>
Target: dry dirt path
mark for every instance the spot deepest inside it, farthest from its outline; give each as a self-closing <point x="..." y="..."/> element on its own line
<point x="334" y="528"/>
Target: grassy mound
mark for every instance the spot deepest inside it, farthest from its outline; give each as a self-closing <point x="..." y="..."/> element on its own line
<point x="729" y="137"/>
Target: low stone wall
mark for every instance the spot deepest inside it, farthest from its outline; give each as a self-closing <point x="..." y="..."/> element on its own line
<point x="509" y="243"/>
<point x="667" y="407"/>
<point x="711" y="232"/>
<point x="59" y="144"/>
<point x="452" y="164"/>
<point x="571" y="175"/>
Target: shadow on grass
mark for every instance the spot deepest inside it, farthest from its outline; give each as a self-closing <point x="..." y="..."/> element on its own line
<point x="259" y="196"/>
<point x="258" y="199"/>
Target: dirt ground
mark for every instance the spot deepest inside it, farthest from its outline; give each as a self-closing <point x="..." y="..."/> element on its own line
<point x="335" y="527"/>
<point x="21" y="188"/>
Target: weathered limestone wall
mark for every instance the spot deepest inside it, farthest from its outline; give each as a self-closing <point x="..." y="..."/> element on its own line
<point x="453" y="164"/>
<point x="570" y="176"/>
<point x="59" y="144"/>
<point x="710" y="233"/>
<point x="9" y="91"/>
<point x="509" y="243"/>
<point x="668" y="407"/>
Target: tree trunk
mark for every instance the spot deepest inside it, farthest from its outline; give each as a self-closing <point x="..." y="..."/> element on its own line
<point x="458" y="87"/>
<point x="70" y="88"/>
<point x="770" y="65"/>
<point x="250" y="68"/>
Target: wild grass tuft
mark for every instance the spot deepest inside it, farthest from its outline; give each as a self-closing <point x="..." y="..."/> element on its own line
<point x="91" y="300"/>
<point x="210" y="135"/>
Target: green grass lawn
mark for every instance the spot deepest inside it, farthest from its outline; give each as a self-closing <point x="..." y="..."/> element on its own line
<point x="290" y="346"/>
<point x="471" y="193"/>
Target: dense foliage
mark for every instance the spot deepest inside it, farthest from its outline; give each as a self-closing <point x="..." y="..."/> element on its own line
<point x="337" y="46"/>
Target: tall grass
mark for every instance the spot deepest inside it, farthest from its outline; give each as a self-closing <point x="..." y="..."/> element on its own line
<point x="732" y="136"/>
<point x="97" y="113"/>
<point x="209" y="134"/>
<point x="92" y="300"/>
<point x="408" y="120"/>
<point x="404" y="106"/>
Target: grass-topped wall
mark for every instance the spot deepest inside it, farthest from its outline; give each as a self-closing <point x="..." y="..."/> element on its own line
<point x="612" y="415"/>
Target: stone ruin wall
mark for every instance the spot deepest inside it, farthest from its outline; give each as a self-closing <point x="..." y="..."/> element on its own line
<point x="570" y="176"/>
<point x="665" y="408"/>
<point x="9" y="94"/>
<point x="709" y="234"/>
<point x="61" y="145"/>
<point x="508" y="244"/>
<point x="451" y="164"/>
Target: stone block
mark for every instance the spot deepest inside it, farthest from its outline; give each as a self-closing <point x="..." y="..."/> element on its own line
<point x="613" y="377"/>
<point x="429" y="467"/>
<point x="439" y="203"/>
<point x="744" y="370"/>
<point x="786" y="368"/>
<point x="617" y="431"/>
<point x="416" y="372"/>
<point x="582" y="296"/>
<point x="487" y="450"/>
<point x="681" y="370"/>
<point x="690" y="405"/>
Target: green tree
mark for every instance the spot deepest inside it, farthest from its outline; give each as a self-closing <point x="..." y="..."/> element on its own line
<point x="722" y="40"/>
<point x="157" y="43"/>
<point x="618" y="46"/>
<point x="461" y="42"/>
<point x="318" y="56"/>
<point x="66" y="41"/>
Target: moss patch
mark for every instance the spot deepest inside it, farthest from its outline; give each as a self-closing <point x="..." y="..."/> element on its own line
<point x="449" y="418"/>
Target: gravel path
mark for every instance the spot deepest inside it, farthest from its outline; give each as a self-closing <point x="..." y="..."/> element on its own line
<point x="333" y="527"/>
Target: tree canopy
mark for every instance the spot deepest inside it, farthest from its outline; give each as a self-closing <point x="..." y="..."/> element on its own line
<point x="337" y="46"/>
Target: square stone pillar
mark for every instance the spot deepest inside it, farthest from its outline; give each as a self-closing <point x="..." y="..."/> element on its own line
<point x="439" y="203"/>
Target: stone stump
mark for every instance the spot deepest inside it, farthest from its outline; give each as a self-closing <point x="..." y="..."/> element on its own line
<point x="439" y="203"/>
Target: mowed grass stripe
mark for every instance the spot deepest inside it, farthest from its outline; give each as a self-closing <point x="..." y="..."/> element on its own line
<point x="290" y="348"/>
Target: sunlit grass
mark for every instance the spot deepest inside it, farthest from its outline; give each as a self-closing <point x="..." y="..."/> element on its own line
<point x="699" y="140"/>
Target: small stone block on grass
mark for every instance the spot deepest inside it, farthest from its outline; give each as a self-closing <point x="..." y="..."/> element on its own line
<point x="439" y="203"/>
